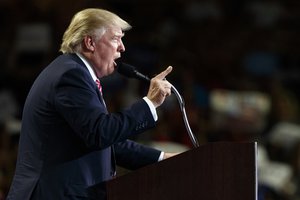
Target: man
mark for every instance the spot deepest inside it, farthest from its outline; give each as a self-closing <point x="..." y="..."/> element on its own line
<point x="69" y="142"/>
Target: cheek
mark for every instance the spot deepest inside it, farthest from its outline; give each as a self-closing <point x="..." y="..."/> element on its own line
<point x="109" y="53"/>
<point x="105" y="50"/>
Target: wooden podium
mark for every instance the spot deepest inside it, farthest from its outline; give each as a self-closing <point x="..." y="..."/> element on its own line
<point x="214" y="171"/>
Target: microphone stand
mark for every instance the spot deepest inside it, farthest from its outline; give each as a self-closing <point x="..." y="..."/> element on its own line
<point x="131" y="72"/>
<point x="186" y="123"/>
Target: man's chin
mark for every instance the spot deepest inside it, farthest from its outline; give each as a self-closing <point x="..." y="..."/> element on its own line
<point x="111" y="70"/>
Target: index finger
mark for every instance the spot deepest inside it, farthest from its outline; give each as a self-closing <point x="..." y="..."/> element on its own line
<point x="164" y="73"/>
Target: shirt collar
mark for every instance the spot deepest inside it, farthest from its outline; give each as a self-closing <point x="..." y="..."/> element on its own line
<point x="88" y="66"/>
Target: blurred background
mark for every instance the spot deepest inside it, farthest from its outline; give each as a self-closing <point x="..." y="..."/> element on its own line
<point x="236" y="64"/>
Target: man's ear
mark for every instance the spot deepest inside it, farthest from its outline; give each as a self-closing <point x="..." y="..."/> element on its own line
<point x="89" y="43"/>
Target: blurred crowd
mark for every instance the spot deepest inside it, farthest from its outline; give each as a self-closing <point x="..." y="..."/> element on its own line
<point x="236" y="64"/>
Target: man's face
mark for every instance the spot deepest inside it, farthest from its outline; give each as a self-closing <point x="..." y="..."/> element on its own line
<point x="107" y="49"/>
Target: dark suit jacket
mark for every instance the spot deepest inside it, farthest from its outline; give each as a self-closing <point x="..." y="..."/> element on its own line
<point x="67" y="136"/>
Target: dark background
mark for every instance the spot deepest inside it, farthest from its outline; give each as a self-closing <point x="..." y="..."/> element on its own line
<point x="236" y="48"/>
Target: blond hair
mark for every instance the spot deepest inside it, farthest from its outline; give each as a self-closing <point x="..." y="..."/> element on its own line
<point x="91" y="21"/>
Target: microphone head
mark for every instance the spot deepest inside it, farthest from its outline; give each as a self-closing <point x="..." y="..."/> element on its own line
<point x="126" y="70"/>
<point x="130" y="72"/>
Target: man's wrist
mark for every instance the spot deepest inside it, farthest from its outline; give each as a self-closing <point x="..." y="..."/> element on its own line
<point x="152" y="108"/>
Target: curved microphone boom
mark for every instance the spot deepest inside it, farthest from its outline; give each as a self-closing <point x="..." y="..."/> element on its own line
<point x="130" y="72"/>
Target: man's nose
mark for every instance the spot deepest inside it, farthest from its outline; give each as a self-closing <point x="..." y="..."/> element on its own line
<point x="121" y="47"/>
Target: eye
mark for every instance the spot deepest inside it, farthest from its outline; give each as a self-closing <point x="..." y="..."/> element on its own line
<point x="116" y="38"/>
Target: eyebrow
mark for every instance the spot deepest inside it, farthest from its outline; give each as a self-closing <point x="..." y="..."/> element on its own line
<point x="120" y="35"/>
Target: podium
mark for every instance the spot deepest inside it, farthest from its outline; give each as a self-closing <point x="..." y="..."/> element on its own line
<point x="213" y="171"/>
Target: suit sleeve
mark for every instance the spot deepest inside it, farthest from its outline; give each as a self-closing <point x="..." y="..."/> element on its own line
<point x="78" y="101"/>
<point x="132" y="155"/>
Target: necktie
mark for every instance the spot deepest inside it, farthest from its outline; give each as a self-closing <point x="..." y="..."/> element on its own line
<point x="99" y="85"/>
<point x="100" y="90"/>
<point x="113" y="159"/>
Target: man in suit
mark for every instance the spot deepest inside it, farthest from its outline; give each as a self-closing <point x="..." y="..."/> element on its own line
<point x="69" y="142"/>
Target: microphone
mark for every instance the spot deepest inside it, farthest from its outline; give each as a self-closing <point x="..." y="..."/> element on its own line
<point x="130" y="72"/>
